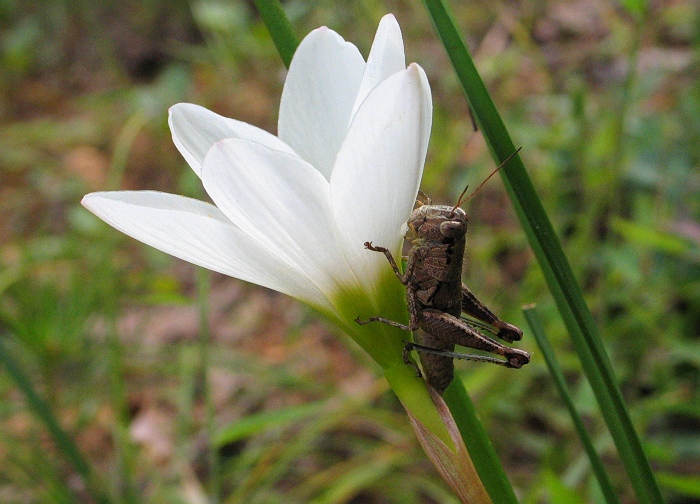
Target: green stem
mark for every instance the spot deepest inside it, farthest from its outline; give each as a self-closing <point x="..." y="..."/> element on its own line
<point x="413" y="394"/>
<point x="478" y="444"/>
<point x="125" y="488"/>
<point x="537" y="329"/>
<point x="122" y="149"/>
<point x="550" y="255"/>
<point x="122" y="440"/>
<point x="203" y="291"/>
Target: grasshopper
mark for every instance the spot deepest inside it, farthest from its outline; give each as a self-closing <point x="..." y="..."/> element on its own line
<point x="437" y="297"/>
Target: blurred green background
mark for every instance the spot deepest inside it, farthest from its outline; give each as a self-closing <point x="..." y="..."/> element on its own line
<point x="182" y="386"/>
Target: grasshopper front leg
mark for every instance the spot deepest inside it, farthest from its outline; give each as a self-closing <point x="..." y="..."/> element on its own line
<point x="410" y="292"/>
<point x="404" y="278"/>
<point x="390" y="258"/>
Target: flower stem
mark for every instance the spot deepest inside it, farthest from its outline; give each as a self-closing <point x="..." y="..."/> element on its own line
<point x="203" y="279"/>
<point x="478" y="444"/>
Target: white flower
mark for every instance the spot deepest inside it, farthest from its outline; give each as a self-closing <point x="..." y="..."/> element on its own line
<point x="292" y="212"/>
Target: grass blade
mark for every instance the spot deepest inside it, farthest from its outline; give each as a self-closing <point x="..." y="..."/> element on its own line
<point x="537" y="329"/>
<point x="279" y="27"/>
<point x="550" y="255"/>
<point x="41" y="410"/>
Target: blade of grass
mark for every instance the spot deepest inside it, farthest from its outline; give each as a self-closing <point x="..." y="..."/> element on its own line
<point x="279" y="27"/>
<point x="606" y="487"/>
<point x="550" y="255"/>
<point x="256" y="423"/>
<point x="41" y="410"/>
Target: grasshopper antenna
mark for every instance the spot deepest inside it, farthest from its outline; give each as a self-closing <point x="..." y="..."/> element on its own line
<point x="461" y="201"/>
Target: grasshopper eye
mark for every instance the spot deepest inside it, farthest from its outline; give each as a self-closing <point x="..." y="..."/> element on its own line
<point x="450" y="229"/>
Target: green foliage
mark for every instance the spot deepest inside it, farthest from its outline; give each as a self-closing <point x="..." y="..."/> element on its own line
<point x="97" y="323"/>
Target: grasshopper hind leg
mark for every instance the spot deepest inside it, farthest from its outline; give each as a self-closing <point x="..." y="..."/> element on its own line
<point x="475" y="308"/>
<point x="459" y="355"/>
<point x="450" y="330"/>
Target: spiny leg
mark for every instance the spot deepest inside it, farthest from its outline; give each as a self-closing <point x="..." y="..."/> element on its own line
<point x="454" y="355"/>
<point x="449" y="328"/>
<point x="428" y="200"/>
<point x="408" y="346"/>
<point x="475" y="308"/>
<point x="413" y="315"/>
<point x="410" y="263"/>
<point x="386" y="321"/>
<point x="412" y="311"/>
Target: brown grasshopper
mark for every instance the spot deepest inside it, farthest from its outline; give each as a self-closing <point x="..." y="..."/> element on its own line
<point x="437" y="297"/>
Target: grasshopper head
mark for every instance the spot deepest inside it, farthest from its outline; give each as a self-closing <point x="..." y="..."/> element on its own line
<point x="438" y="222"/>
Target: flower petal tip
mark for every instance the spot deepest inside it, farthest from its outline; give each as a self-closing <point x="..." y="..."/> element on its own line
<point x="415" y="69"/>
<point x="88" y="200"/>
<point x="389" y="23"/>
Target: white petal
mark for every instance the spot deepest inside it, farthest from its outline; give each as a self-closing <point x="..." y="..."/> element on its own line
<point x="318" y="97"/>
<point x="379" y="166"/>
<point x="195" y="129"/>
<point x="282" y="202"/>
<point x="199" y="233"/>
<point x="385" y="58"/>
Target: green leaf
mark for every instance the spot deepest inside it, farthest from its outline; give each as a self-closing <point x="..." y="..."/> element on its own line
<point x="686" y="485"/>
<point x="266" y="420"/>
<point x="636" y="7"/>
<point x="650" y="238"/>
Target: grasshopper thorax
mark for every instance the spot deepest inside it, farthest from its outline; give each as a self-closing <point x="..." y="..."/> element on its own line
<point x="438" y="222"/>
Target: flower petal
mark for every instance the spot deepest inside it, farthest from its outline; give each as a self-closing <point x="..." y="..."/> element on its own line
<point x="281" y="201"/>
<point x="385" y="58"/>
<point x="318" y="97"/>
<point x="379" y="166"/>
<point x="195" y="129"/>
<point x="199" y="233"/>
